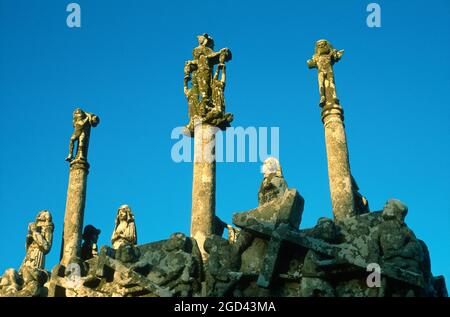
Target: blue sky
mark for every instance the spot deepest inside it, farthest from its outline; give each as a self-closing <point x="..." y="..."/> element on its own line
<point x="126" y="64"/>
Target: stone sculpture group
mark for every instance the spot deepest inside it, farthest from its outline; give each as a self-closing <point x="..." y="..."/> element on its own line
<point x="265" y="254"/>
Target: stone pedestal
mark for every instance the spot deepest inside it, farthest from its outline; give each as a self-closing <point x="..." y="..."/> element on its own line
<point x="74" y="214"/>
<point x="338" y="162"/>
<point x="204" y="185"/>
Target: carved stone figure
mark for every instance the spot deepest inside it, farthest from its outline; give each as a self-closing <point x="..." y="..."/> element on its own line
<point x="325" y="56"/>
<point x="273" y="185"/>
<point x="339" y="174"/>
<point x="82" y="123"/>
<point x="89" y="247"/>
<point x="31" y="277"/>
<point x="125" y="228"/>
<point x="206" y="100"/>
<point x="398" y="244"/>
<point x="218" y="84"/>
<point x="233" y="233"/>
<point x="39" y="241"/>
<point x="10" y="283"/>
<point x="29" y="283"/>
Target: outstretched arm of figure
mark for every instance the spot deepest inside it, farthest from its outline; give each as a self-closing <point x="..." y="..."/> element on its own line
<point x="312" y="63"/>
<point x="337" y="55"/>
<point x="215" y="56"/>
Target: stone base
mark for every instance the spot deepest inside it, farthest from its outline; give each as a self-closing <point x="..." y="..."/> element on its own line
<point x="214" y="117"/>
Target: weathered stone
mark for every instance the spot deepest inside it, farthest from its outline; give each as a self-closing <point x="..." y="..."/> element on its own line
<point x="82" y="123"/>
<point x="30" y="279"/>
<point x="286" y="209"/>
<point x="339" y="174"/>
<point x="273" y="185"/>
<point x="316" y="287"/>
<point x="203" y="185"/>
<point x="205" y="97"/>
<point x="267" y="256"/>
<point x="76" y="191"/>
<point x="323" y="59"/>
<point x="39" y="241"/>
<point x="11" y="283"/>
<point x="222" y="266"/>
<point x="124" y="233"/>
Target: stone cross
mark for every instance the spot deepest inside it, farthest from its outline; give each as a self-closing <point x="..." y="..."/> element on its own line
<point x="204" y="90"/>
<point x="341" y="190"/>
<point x="339" y="254"/>
<point x="76" y="191"/>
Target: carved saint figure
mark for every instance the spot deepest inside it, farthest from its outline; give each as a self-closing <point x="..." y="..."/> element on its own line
<point x="325" y="56"/>
<point x="218" y="85"/>
<point x="38" y="242"/>
<point x="82" y="123"/>
<point x="273" y="185"/>
<point x="125" y="228"/>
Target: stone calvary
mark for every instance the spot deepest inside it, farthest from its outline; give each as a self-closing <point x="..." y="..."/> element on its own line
<point x="265" y="254"/>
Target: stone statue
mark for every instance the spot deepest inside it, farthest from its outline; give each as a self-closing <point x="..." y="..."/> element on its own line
<point x="38" y="242"/>
<point x="31" y="277"/>
<point x="125" y="228"/>
<point x="273" y="185"/>
<point x="82" y="123"/>
<point x="233" y="233"/>
<point x="206" y="101"/>
<point x="89" y="247"/>
<point x="218" y="85"/>
<point x="398" y="244"/>
<point x="325" y="56"/>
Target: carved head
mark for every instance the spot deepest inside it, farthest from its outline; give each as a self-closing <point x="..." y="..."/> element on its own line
<point x="79" y="114"/>
<point x="44" y="217"/>
<point x="323" y="47"/>
<point x="205" y="40"/>
<point x="394" y="209"/>
<point x="271" y="166"/>
<point x="124" y="214"/>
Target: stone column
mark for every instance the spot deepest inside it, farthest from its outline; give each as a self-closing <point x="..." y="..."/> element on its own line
<point x="204" y="86"/>
<point x="74" y="214"/>
<point x="339" y="174"/>
<point x="204" y="184"/>
<point x="76" y="191"/>
<point x="325" y="56"/>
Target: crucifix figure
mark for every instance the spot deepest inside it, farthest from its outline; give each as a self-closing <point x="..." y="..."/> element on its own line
<point x="204" y="84"/>
<point x="325" y="56"/>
